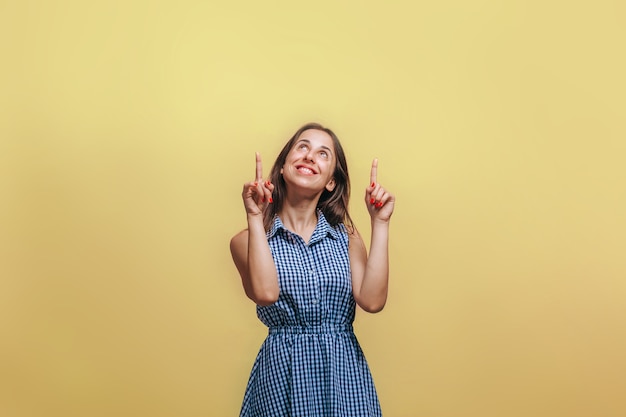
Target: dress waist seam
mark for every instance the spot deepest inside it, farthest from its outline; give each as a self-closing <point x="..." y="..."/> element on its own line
<point x="315" y="329"/>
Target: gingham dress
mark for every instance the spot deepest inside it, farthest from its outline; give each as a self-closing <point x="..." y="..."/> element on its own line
<point x="311" y="363"/>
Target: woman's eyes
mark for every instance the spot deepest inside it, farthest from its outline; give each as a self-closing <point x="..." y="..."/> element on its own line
<point x="305" y="147"/>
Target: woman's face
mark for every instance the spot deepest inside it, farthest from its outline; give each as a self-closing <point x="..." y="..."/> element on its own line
<point x="310" y="163"/>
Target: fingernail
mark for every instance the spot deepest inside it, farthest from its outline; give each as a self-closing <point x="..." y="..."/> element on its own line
<point x="256" y="183"/>
<point x="379" y="205"/>
<point x="373" y="185"/>
<point x="263" y="200"/>
<point x="372" y="200"/>
<point x="267" y="183"/>
<point x="271" y="200"/>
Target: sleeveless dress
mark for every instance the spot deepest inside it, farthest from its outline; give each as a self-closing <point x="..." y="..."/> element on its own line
<point x="310" y="364"/>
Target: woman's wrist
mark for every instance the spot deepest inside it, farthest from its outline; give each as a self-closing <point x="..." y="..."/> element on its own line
<point x="380" y="222"/>
<point x="254" y="218"/>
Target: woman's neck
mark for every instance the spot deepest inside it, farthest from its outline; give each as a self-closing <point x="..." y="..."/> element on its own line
<point x="299" y="217"/>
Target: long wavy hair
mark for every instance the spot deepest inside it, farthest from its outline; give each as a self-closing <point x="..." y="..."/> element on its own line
<point x="333" y="204"/>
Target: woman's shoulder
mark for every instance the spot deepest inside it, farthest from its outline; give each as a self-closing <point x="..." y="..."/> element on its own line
<point x="239" y="235"/>
<point x="353" y="234"/>
<point x="239" y="239"/>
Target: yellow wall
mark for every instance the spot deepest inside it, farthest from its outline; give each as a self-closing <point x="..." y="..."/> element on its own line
<point x="128" y="128"/>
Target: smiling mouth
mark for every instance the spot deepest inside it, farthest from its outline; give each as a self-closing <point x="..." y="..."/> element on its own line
<point x="305" y="170"/>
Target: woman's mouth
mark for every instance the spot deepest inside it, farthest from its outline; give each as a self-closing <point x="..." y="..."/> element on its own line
<point x="305" y="170"/>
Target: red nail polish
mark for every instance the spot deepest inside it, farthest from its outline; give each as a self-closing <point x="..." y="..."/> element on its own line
<point x="379" y="205"/>
<point x="271" y="200"/>
<point x="373" y="185"/>
<point x="372" y="201"/>
<point x="263" y="200"/>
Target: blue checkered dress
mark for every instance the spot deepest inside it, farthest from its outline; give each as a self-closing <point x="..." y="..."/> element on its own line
<point x="311" y="363"/>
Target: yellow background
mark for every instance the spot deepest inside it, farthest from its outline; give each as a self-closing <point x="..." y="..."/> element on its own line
<point x="128" y="128"/>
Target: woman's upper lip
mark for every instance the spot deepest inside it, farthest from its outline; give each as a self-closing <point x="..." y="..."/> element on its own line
<point x="306" y="166"/>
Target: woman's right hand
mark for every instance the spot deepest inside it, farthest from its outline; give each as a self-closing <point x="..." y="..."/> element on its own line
<point x="257" y="194"/>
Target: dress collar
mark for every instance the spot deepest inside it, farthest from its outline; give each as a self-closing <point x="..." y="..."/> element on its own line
<point x="322" y="228"/>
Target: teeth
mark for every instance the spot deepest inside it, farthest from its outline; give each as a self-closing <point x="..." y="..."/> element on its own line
<point x="305" y="170"/>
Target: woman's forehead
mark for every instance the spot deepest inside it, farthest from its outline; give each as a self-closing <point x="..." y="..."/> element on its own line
<point x="317" y="137"/>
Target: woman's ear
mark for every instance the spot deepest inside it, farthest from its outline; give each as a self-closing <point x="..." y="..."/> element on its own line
<point x="331" y="185"/>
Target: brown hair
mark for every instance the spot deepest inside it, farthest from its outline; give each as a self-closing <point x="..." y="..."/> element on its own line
<point x="333" y="204"/>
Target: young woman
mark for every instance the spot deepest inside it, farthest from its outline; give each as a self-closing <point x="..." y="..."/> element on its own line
<point x="304" y="264"/>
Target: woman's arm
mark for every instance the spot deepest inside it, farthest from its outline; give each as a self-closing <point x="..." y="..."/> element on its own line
<point x="249" y="248"/>
<point x="370" y="274"/>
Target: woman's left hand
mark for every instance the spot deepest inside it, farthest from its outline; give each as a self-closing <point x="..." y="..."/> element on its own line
<point x="379" y="201"/>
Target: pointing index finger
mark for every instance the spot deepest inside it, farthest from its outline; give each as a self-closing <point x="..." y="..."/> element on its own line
<point x="374" y="171"/>
<point x="259" y="167"/>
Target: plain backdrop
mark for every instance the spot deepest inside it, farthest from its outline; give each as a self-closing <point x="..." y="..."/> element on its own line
<point x="127" y="129"/>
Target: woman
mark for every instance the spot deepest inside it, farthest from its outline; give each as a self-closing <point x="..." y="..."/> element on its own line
<point x="304" y="264"/>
